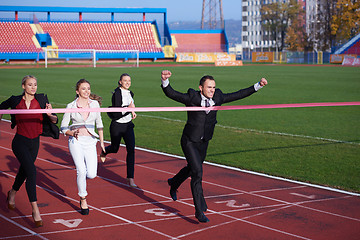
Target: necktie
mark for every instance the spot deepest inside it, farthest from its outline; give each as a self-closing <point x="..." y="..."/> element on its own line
<point x="207" y="104"/>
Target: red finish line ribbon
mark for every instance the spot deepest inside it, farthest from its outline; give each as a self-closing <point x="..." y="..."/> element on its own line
<point x="177" y="109"/>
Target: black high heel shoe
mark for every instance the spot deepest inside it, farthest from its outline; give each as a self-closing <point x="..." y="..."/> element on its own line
<point x="10" y="206"/>
<point x="84" y="211"/>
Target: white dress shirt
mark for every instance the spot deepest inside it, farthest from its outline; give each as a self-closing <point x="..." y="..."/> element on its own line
<point x="126" y="101"/>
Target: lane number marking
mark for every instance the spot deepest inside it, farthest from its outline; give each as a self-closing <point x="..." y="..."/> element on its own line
<point x="304" y="196"/>
<point x="72" y="223"/>
<point x="160" y="212"/>
<point x="232" y="203"/>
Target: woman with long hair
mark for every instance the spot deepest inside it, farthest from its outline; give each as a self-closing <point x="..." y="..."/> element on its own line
<point x="25" y="144"/>
<point x="122" y="127"/>
<point x="83" y="138"/>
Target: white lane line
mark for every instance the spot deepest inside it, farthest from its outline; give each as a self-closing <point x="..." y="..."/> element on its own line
<point x="291" y="204"/>
<point x="32" y="233"/>
<point x="95" y="208"/>
<point x="228" y="167"/>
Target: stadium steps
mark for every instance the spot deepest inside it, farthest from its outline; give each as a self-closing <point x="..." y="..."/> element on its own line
<point x="37" y="29"/>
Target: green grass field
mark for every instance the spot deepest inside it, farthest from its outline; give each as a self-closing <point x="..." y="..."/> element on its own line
<point x="319" y="145"/>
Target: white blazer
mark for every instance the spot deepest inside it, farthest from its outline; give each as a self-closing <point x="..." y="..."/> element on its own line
<point x="78" y="120"/>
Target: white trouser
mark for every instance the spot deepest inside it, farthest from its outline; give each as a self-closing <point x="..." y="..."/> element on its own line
<point x="83" y="152"/>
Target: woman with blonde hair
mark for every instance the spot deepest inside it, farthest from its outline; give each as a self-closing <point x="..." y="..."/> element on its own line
<point x="25" y="144"/>
<point x="83" y="138"/>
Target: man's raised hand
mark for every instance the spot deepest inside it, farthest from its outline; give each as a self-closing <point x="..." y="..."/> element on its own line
<point x="263" y="82"/>
<point x="165" y="74"/>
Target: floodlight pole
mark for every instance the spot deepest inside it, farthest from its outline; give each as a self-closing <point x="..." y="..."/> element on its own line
<point x="211" y="17"/>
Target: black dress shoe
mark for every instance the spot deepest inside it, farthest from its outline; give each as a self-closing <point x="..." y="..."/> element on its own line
<point x="84" y="211"/>
<point x="172" y="190"/>
<point x="201" y="217"/>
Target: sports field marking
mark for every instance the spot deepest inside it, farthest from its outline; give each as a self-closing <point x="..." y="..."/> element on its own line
<point x="138" y="224"/>
<point x="210" y="211"/>
<point x="241" y="192"/>
<point x="222" y="166"/>
<point x="93" y="207"/>
<point x="257" y="131"/>
<point x="32" y="233"/>
<point x="248" y="222"/>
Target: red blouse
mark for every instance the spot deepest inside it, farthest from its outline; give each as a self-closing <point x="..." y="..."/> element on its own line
<point x="29" y="125"/>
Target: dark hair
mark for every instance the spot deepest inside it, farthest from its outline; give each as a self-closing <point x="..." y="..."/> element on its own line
<point x="92" y="96"/>
<point x="204" y="78"/>
<point x="121" y="77"/>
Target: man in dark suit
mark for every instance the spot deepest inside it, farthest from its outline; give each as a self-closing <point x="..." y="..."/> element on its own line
<point x="198" y="131"/>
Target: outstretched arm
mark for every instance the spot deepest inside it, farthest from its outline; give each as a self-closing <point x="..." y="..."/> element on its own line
<point x="243" y="93"/>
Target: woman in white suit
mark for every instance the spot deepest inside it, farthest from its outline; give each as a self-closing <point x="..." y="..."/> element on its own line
<point x="83" y="138"/>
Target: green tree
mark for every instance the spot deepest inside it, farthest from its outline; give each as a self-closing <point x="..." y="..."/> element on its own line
<point x="277" y="17"/>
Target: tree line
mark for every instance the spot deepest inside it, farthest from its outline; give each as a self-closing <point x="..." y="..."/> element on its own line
<point x="332" y="24"/>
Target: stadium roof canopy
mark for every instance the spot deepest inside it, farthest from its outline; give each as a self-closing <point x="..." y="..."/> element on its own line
<point x="81" y="10"/>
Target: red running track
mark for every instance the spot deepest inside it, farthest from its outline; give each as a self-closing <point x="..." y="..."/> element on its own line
<point x="241" y="205"/>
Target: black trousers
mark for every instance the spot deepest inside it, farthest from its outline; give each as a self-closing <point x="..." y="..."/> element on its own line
<point x="195" y="154"/>
<point x="26" y="151"/>
<point x="125" y="131"/>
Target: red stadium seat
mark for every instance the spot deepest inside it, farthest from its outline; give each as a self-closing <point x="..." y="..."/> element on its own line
<point x="16" y="37"/>
<point x="111" y="36"/>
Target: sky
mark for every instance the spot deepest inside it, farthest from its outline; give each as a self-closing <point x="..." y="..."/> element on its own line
<point x="177" y="10"/>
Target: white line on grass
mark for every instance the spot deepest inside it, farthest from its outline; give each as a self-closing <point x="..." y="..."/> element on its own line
<point x="258" y="131"/>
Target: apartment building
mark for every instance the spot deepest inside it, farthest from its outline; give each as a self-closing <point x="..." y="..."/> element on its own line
<point x="254" y="38"/>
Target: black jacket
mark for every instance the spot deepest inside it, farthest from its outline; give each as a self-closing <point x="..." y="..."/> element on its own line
<point x="116" y="101"/>
<point x="200" y="126"/>
<point x="49" y="129"/>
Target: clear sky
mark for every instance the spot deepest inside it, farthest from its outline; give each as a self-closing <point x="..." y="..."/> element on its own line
<point x="177" y="10"/>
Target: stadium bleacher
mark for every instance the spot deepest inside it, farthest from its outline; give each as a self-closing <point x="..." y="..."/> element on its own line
<point x="200" y="42"/>
<point x="102" y="36"/>
<point x="16" y="37"/>
<point x="19" y="37"/>
<point x="38" y="40"/>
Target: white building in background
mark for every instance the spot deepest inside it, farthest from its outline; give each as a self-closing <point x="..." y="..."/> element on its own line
<point x="254" y="38"/>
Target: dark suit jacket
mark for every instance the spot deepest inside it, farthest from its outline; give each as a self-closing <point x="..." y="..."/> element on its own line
<point x="116" y="101"/>
<point x="49" y="128"/>
<point x="200" y="126"/>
